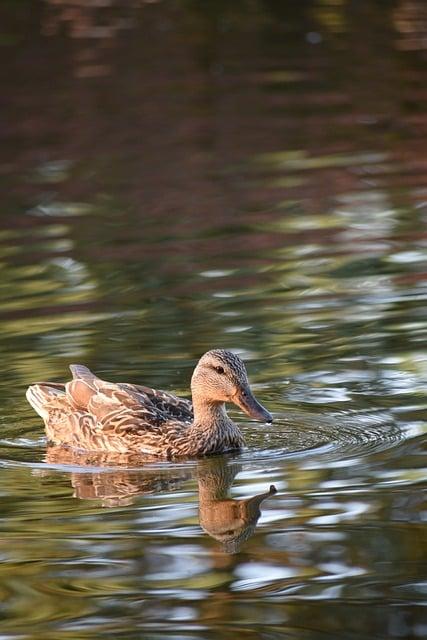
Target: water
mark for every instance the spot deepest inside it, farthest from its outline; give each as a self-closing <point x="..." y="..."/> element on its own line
<point x="179" y="176"/>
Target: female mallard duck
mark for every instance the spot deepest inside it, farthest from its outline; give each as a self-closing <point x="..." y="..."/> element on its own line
<point x="91" y="414"/>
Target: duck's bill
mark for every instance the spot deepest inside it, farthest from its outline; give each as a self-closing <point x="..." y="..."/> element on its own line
<point x="248" y="403"/>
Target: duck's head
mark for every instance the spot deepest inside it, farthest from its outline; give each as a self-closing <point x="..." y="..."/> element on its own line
<point x="220" y="376"/>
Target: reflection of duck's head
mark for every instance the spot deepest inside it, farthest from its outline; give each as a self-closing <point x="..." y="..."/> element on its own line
<point x="231" y="522"/>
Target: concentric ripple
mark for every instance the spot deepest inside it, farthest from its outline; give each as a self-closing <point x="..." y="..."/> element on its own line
<point x="338" y="434"/>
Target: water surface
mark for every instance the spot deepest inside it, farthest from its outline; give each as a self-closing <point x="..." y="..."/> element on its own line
<point x="180" y="176"/>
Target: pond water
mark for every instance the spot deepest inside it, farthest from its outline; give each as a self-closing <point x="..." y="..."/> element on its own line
<point x="178" y="176"/>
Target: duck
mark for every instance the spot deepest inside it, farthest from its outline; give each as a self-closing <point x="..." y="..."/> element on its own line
<point x="91" y="414"/>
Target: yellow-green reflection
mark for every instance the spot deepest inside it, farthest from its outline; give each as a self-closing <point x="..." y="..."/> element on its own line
<point x="179" y="176"/>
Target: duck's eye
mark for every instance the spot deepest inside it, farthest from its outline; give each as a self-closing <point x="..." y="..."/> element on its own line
<point x="219" y="369"/>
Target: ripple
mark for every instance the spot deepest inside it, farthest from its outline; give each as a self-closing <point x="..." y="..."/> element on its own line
<point x="341" y="434"/>
<point x="299" y="434"/>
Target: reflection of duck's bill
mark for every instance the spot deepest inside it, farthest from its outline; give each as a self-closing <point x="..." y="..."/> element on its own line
<point x="253" y="504"/>
<point x="250" y="405"/>
<point x="232" y="522"/>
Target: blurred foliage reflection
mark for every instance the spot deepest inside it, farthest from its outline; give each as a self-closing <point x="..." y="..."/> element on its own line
<point x="180" y="175"/>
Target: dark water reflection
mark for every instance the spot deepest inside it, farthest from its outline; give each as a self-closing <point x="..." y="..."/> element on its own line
<point x="177" y="176"/>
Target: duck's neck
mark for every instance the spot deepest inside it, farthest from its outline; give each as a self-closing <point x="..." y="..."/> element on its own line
<point x="212" y="430"/>
<point x="209" y="414"/>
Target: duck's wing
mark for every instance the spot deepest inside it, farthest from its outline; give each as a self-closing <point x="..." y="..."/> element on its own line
<point x="170" y="406"/>
<point x="123" y="417"/>
<point x="92" y="414"/>
<point x="87" y="391"/>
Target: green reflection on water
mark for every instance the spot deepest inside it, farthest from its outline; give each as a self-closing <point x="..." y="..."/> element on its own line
<point x="259" y="185"/>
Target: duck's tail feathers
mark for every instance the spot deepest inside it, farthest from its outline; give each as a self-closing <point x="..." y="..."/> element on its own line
<point x="80" y="372"/>
<point x="39" y="395"/>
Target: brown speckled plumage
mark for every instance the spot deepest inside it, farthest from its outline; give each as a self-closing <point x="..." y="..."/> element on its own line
<point x="94" y="415"/>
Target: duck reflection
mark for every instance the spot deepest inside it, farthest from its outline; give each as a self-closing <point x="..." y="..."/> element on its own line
<point x="108" y="477"/>
<point x="227" y="520"/>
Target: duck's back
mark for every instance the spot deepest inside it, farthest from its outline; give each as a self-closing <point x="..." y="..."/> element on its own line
<point x="90" y="413"/>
